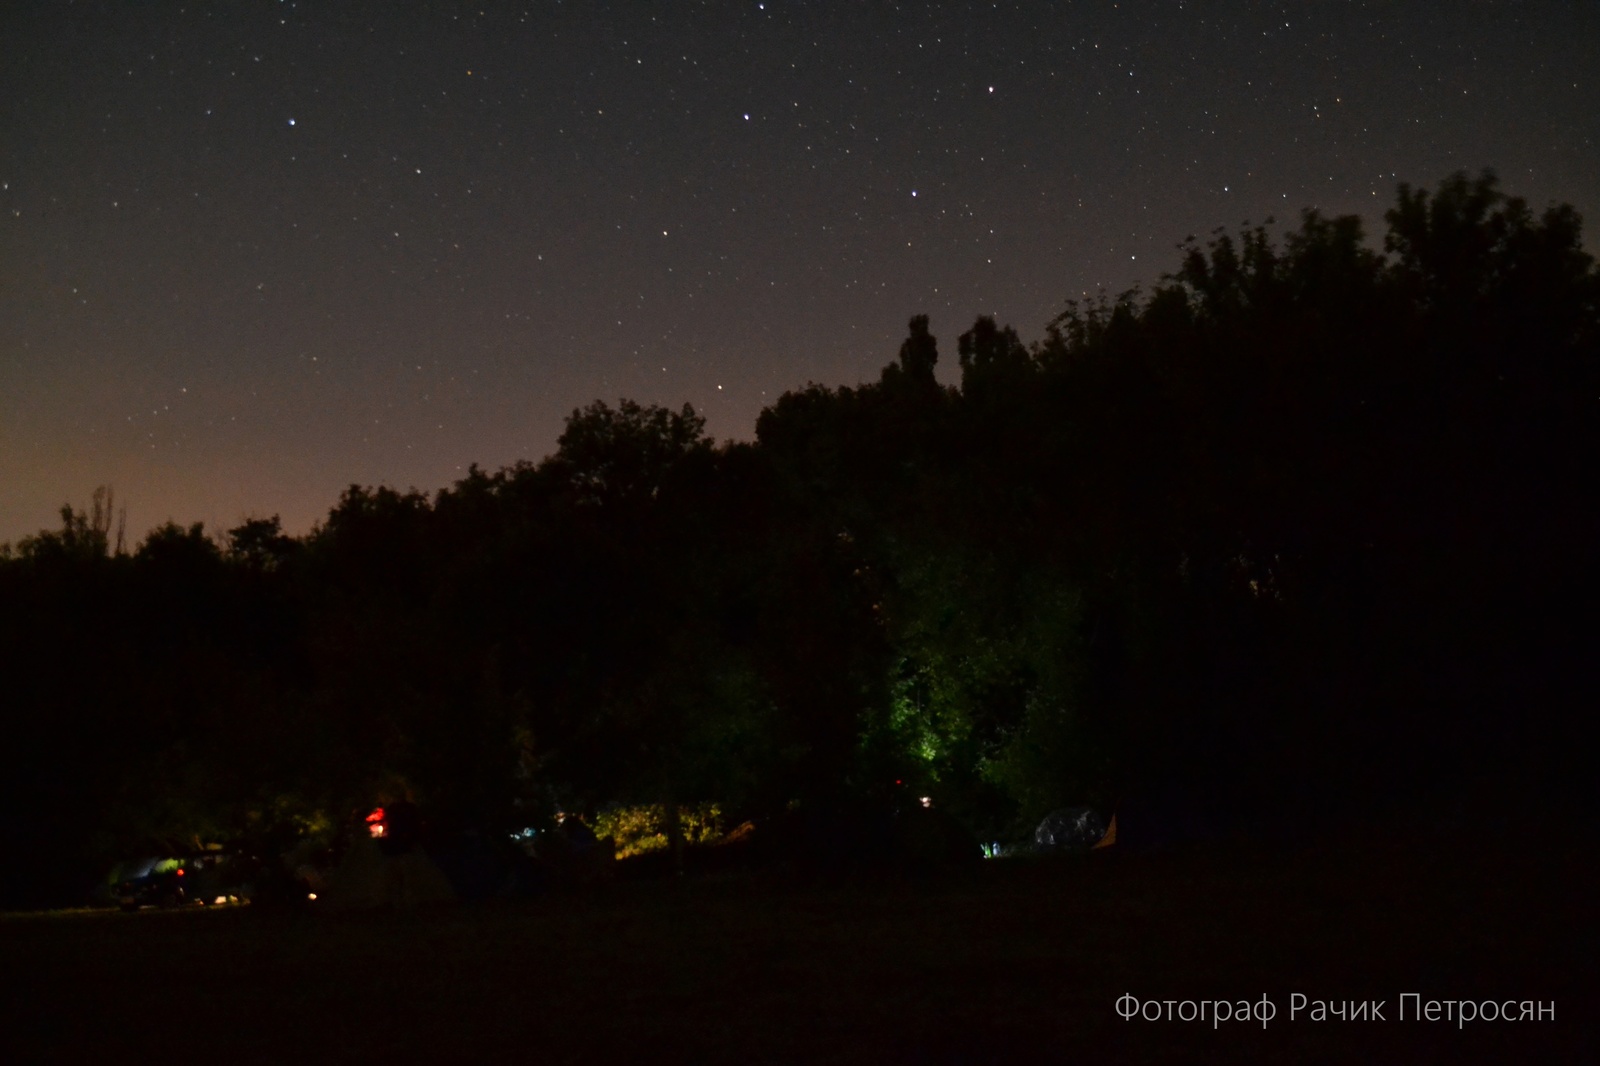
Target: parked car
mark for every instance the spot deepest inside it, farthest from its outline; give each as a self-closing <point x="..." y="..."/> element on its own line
<point x="208" y="878"/>
<point x="163" y="886"/>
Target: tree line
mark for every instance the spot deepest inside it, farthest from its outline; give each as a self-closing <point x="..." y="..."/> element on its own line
<point x="1302" y="532"/>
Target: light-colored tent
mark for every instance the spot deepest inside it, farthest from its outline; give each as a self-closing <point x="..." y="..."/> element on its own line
<point x="366" y="879"/>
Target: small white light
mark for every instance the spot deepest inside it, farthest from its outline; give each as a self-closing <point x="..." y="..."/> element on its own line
<point x="219" y="901"/>
<point x="311" y="895"/>
<point x="927" y="801"/>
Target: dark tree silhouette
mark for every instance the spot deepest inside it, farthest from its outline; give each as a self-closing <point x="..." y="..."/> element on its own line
<point x="1301" y="530"/>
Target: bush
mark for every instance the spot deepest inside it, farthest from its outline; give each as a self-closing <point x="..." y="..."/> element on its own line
<point x="638" y="830"/>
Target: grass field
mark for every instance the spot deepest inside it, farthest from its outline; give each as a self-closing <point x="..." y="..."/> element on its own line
<point x="1018" y="962"/>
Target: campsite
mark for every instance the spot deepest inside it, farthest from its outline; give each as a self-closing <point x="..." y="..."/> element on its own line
<point x="935" y="725"/>
<point x="1013" y="961"/>
<point x="1201" y="678"/>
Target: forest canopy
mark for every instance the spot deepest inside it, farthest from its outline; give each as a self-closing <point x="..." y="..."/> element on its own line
<point x="1299" y="532"/>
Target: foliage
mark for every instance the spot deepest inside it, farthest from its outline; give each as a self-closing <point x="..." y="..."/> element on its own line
<point x="642" y="829"/>
<point x="1299" y="527"/>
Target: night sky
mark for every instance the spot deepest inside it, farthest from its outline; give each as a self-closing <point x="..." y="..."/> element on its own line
<point x="254" y="252"/>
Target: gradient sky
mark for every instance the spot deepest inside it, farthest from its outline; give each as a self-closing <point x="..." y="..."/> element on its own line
<point x="253" y="252"/>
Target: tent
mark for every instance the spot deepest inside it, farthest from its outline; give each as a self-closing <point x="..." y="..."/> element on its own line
<point x="366" y="878"/>
<point x="1072" y="829"/>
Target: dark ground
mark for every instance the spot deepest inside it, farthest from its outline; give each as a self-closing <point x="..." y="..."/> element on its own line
<point x="1018" y="962"/>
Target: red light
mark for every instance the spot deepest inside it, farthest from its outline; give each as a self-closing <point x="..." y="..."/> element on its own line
<point x="376" y="815"/>
<point x="180" y="871"/>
